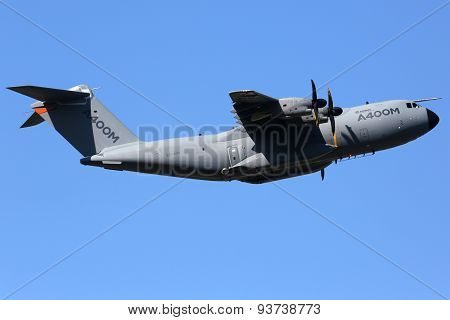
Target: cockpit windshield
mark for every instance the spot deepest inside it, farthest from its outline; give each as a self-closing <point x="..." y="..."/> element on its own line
<point x="412" y="105"/>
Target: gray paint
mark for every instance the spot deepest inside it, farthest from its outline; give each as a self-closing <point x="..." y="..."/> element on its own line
<point x="240" y="154"/>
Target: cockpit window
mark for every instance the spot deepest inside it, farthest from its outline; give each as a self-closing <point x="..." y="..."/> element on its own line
<point x="412" y="105"/>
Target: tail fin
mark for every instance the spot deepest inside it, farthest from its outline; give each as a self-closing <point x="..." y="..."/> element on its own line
<point x="78" y="116"/>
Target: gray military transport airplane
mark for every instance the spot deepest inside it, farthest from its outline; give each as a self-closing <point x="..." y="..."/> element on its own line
<point x="275" y="138"/>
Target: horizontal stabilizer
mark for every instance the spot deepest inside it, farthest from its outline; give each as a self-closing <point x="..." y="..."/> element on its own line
<point x="49" y="94"/>
<point x="34" y="120"/>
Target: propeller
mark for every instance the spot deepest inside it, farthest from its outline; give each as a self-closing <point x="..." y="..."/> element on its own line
<point x="332" y="112"/>
<point x="316" y="103"/>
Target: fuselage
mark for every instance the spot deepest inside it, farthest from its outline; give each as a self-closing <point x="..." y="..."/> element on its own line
<point x="233" y="155"/>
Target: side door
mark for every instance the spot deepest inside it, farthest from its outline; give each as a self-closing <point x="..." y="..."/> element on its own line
<point x="233" y="155"/>
<point x="364" y="136"/>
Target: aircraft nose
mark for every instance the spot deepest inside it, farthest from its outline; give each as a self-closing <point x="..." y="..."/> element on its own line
<point x="433" y="119"/>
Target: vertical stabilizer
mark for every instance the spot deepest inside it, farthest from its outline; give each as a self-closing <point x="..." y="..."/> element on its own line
<point x="78" y="116"/>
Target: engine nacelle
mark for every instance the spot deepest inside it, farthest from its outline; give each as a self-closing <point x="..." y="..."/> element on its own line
<point x="296" y="107"/>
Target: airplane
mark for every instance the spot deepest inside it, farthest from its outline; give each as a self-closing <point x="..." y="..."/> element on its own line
<point x="274" y="139"/>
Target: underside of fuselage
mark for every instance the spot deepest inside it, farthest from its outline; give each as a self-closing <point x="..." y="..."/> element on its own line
<point x="214" y="159"/>
<point x="254" y="176"/>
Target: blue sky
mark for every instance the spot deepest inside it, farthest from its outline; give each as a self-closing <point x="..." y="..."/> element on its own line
<point x="205" y="240"/>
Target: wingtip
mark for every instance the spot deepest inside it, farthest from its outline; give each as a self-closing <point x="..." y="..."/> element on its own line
<point x="427" y="99"/>
<point x="33" y="120"/>
<point x="17" y="88"/>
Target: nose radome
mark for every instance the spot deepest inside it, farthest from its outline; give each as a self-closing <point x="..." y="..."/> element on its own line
<point x="433" y="119"/>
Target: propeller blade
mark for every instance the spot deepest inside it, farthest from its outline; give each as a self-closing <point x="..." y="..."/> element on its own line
<point x="316" y="115"/>
<point x="331" y="113"/>
<point x="314" y="91"/>
<point x="333" y="126"/>
<point x="315" y="103"/>
<point x="330" y="100"/>
<point x="322" y="173"/>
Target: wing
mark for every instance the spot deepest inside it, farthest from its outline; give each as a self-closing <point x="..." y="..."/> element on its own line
<point x="252" y="107"/>
<point x="260" y="116"/>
